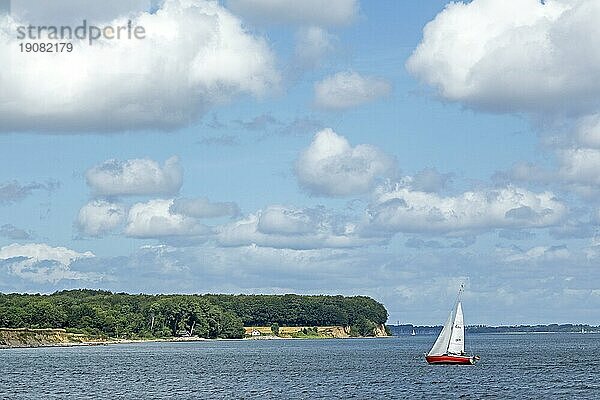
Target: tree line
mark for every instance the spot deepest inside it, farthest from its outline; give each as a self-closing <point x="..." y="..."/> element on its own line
<point x="122" y="315"/>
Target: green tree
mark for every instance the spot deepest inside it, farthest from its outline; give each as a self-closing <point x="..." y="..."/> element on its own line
<point x="275" y="328"/>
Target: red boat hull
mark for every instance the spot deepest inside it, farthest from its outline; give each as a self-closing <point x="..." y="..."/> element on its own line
<point x="450" y="359"/>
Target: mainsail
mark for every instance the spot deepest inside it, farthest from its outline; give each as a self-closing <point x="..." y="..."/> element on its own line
<point x="457" y="339"/>
<point x="452" y="337"/>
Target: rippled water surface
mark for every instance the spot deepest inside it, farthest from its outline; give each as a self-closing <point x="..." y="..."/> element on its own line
<point x="512" y="367"/>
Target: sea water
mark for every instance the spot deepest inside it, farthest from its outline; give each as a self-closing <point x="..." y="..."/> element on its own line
<point x="525" y="366"/>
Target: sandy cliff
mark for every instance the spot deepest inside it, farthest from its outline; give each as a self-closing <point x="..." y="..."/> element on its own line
<point x="40" y="337"/>
<point x="323" y="331"/>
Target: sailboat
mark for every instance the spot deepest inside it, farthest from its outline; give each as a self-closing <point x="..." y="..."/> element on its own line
<point x="413" y="333"/>
<point x="449" y="347"/>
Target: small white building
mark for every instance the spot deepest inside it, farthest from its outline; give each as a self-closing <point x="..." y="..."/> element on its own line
<point x="255" y="332"/>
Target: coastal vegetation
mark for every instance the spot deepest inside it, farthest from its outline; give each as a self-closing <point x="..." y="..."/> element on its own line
<point x="137" y="316"/>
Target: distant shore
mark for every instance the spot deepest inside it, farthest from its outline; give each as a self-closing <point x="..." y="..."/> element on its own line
<point x="407" y="329"/>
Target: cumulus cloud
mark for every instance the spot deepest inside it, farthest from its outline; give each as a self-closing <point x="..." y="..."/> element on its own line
<point x="576" y="171"/>
<point x="135" y="177"/>
<point x="99" y="217"/>
<point x="196" y="54"/>
<point x="307" y="12"/>
<point x="154" y="219"/>
<point x="204" y="208"/>
<point x="42" y="263"/>
<point x="514" y="55"/>
<point x="330" y="166"/>
<point x="14" y="191"/>
<point x="486" y="56"/>
<point x="286" y="221"/>
<point x="400" y="209"/>
<point x="293" y="228"/>
<point x="349" y="89"/>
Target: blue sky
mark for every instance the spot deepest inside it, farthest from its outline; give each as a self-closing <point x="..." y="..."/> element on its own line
<point x="248" y="146"/>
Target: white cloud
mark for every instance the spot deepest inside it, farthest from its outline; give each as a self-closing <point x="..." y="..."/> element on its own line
<point x="577" y="170"/>
<point x="514" y="55"/>
<point x="536" y="57"/>
<point x="196" y="54"/>
<point x="204" y="208"/>
<point x="349" y="89"/>
<point x="286" y="221"/>
<point x="40" y="252"/>
<point x="400" y="209"/>
<point x="293" y="228"/>
<point x="307" y="12"/>
<point x="99" y="217"/>
<point x="135" y="177"/>
<point x="154" y="219"/>
<point x="331" y="167"/>
<point x="42" y="263"/>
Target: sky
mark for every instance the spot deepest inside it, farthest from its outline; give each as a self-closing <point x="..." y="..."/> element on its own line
<point x="393" y="149"/>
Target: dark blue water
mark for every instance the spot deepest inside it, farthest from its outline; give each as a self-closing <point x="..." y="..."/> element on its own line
<point x="512" y="367"/>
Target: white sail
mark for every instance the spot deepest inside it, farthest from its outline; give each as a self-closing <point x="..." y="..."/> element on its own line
<point x="457" y="338"/>
<point x="440" y="347"/>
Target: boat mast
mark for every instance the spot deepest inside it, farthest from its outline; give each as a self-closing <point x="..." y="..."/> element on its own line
<point x="455" y="315"/>
<point x="444" y="339"/>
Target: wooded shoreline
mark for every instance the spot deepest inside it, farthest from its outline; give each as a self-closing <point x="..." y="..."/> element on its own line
<point x="94" y="315"/>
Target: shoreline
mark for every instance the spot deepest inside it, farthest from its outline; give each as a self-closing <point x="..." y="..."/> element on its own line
<point x="60" y="337"/>
<point x="112" y="342"/>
